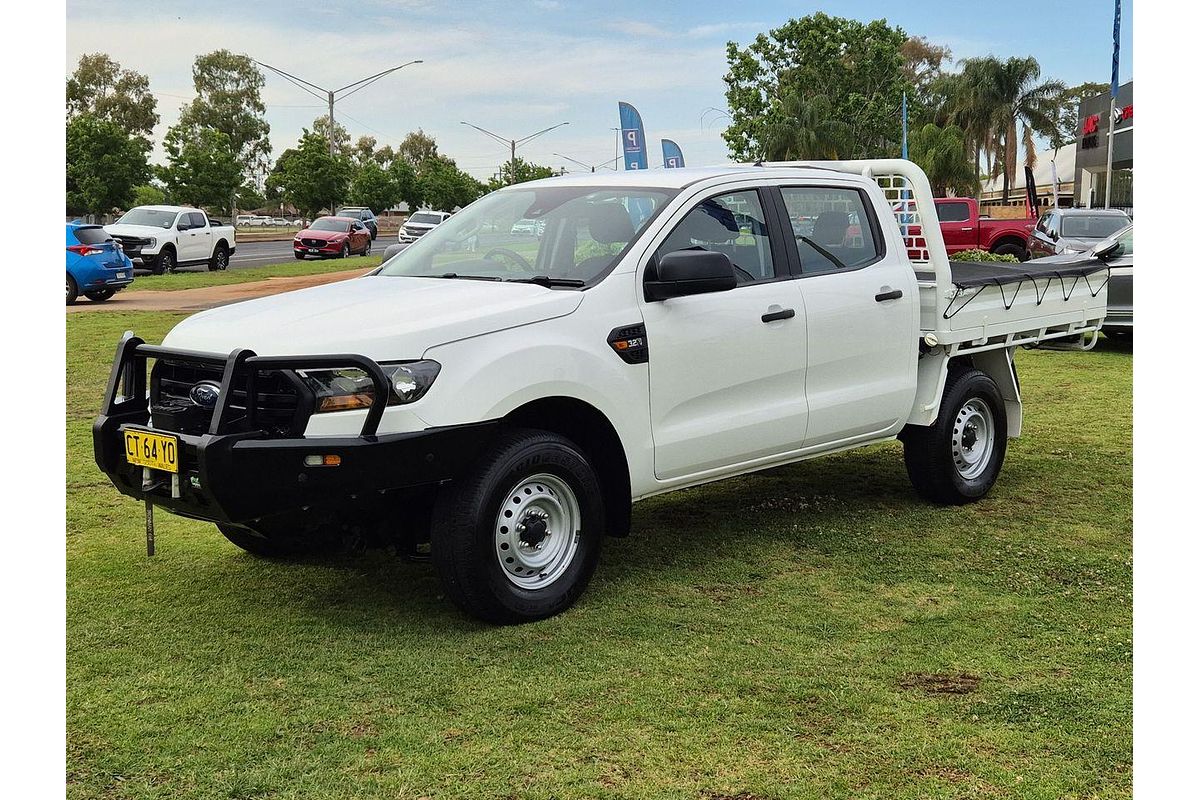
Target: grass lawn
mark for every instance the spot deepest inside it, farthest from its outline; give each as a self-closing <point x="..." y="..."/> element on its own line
<point x="810" y="632"/>
<point x="287" y="269"/>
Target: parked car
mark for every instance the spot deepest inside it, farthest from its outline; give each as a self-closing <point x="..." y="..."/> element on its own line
<point x="332" y="236"/>
<point x="964" y="229"/>
<point x="244" y="220"/>
<point x="280" y="222"/>
<point x="528" y="227"/>
<point x="165" y="237"/>
<point x="96" y="267"/>
<point x="420" y="223"/>
<point x="1074" y="230"/>
<point x="364" y="215"/>
<point x="505" y="404"/>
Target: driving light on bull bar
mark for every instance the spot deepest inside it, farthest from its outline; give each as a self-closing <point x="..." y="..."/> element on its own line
<point x="351" y="388"/>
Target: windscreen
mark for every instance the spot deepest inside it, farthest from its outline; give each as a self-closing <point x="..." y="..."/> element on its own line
<point x="155" y="218"/>
<point x="1098" y="226"/>
<point x="425" y="219"/>
<point x="571" y="233"/>
<point x="329" y="224"/>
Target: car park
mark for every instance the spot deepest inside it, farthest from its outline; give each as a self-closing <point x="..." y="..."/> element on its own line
<point x="96" y="266"/>
<point x="420" y="223"/>
<point x="1073" y="231"/>
<point x="163" y="238"/>
<point x="503" y="400"/>
<point x="330" y="237"/>
<point x="364" y="215"/>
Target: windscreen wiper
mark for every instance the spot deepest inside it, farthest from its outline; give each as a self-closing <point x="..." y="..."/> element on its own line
<point x="452" y="275"/>
<point x="548" y="282"/>
<point x="837" y="261"/>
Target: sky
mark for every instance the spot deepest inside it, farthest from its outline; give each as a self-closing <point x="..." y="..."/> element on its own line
<point x="519" y="66"/>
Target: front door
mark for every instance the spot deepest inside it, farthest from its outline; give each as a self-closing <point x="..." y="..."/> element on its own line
<point x="727" y="368"/>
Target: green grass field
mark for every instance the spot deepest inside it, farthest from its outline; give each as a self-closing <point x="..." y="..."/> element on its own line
<point x="287" y="269"/>
<point x="810" y="632"/>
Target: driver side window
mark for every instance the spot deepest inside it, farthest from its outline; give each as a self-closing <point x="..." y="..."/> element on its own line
<point x="733" y="224"/>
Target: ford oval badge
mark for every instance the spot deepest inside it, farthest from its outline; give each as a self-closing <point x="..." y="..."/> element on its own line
<point x="205" y="394"/>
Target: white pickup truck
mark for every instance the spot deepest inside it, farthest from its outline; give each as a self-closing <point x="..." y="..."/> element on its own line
<point x="165" y="237"/>
<point x="501" y="399"/>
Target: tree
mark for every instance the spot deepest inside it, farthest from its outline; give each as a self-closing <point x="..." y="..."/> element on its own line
<point x="228" y="99"/>
<point x="1001" y="96"/>
<point x="444" y="187"/>
<point x="408" y="185"/>
<point x="805" y="129"/>
<point x="374" y="187"/>
<point x="518" y="171"/>
<point x="341" y="136"/>
<point x="249" y="197"/>
<point x="922" y="67"/>
<point x="148" y="195"/>
<point x="311" y="179"/>
<point x="1067" y="111"/>
<point x="417" y="148"/>
<point x="364" y="150"/>
<point x="942" y="154"/>
<point x="202" y="170"/>
<point x="101" y="89"/>
<point x="104" y="164"/>
<point x="857" y="66"/>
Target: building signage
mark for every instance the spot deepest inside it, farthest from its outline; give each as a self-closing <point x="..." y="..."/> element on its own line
<point x="1091" y="126"/>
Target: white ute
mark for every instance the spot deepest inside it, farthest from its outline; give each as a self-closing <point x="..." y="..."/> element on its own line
<point x="166" y="237"/>
<point x="498" y="400"/>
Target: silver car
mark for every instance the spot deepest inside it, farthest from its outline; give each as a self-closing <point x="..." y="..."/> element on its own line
<point x="1117" y="250"/>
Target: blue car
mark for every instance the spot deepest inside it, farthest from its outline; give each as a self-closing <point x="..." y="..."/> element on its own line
<point x="96" y="267"/>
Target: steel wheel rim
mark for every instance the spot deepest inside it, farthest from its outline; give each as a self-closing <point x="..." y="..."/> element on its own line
<point x="537" y="531"/>
<point x="973" y="439"/>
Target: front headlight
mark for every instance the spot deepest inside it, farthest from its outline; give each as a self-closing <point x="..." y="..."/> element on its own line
<point x="153" y="242"/>
<point x="351" y="388"/>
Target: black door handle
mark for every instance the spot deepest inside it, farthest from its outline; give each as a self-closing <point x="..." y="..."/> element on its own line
<point x="772" y="316"/>
<point x="894" y="294"/>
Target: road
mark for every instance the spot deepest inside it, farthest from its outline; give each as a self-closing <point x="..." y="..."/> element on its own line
<point x="260" y="254"/>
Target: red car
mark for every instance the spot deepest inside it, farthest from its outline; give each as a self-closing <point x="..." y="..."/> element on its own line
<point x="332" y="236"/>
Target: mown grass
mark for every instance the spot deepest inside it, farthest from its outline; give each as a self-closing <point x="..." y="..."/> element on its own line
<point x="810" y="632"/>
<point x="287" y="269"/>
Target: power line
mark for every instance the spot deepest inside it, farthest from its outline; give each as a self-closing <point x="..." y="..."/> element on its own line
<point x="513" y="144"/>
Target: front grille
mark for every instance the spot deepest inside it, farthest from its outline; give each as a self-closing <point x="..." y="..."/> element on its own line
<point x="282" y="408"/>
<point x="131" y="242"/>
<point x="313" y="242"/>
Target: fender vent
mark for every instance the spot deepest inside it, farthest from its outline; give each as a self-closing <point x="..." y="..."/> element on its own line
<point x="630" y="344"/>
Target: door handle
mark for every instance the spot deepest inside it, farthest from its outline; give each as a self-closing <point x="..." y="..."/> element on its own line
<point x="894" y="294"/>
<point x="966" y="229"/>
<point x="773" y="316"/>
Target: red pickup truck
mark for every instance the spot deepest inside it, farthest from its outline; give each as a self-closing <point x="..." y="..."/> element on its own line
<point x="964" y="229"/>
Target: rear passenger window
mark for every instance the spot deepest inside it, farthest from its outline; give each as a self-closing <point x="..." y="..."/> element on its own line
<point x="733" y="224"/>
<point x="953" y="212"/>
<point x="833" y="228"/>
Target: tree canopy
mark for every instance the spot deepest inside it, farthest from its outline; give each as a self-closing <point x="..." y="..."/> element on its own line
<point x="100" y="88"/>
<point x="309" y="178"/>
<point x="229" y="100"/>
<point x="202" y="169"/>
<point x="104" y="165"/>
<point x="518" y="171"/>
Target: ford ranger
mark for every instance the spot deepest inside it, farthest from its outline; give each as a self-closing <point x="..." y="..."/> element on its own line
<point x="499" y="400"/>
<point x="165" y="237"/>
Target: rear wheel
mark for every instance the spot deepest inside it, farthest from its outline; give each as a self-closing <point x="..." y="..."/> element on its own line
<point x="220" y="259"/>
<point x="1012" y="250"/>
<point x="957" y="459"/>
<point x="72" y="290"/>
<point x="100" y="295"/>
<point x="517" y="540"/>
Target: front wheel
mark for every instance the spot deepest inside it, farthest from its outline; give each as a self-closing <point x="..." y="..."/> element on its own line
<point x="164" y="262"/>
<point x="517" y="540"/>
<point x="957" y="459"/>
<point x="345" y="251"/>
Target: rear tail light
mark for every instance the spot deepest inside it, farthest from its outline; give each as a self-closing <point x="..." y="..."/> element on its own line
<point x="84" y="249"/>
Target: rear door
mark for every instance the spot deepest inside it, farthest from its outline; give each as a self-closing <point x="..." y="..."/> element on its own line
<point x="862" y="314"/>
<point x="958" y="229"/>
<point x="727" y="368"/>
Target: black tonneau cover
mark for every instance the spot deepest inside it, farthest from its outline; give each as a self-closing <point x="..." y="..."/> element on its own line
<point x="966" y="274"/>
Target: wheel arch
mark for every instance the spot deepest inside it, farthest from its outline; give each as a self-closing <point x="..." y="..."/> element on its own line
<point x="1009" y="239"/>
<point x="588" y="427"/>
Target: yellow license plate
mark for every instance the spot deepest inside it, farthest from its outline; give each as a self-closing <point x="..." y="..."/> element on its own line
<point x="153" y="450"/>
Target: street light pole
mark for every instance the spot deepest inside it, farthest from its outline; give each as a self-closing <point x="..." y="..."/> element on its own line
<point x="332" y="95"/>
<point x="592" y="167"/>
<point x="513" y="144"/>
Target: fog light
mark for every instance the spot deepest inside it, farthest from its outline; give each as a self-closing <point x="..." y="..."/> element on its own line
<point x="323" y="461"/>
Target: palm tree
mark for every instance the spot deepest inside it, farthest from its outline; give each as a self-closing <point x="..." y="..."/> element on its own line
<point x="804" y="129"/>
<point x="998" y="97"/>
<point x="940" y="152"/>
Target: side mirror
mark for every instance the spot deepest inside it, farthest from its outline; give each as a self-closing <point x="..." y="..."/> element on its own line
<point x="1054" y="235"/>
<point x="687" y="272"/>
<point x="1111" y="250"/>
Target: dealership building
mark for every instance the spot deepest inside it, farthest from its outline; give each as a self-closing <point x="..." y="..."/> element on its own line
<point x="1091" y="151"/>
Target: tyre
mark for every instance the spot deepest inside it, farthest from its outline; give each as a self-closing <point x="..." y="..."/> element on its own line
<point x="100" y="295"/>
<point x="518" y="538"/>
<point x="299" y="256"/>
<point x="220" y="259"/>
<point x="367" y="249"/>
<point x="72" y="290"/>
<point x="957" y="459"/>
<point x="164" y="262"/>
<point x="275" y="546"/>
<point x="1012" y="250"/>
<point x="345" y="252"/>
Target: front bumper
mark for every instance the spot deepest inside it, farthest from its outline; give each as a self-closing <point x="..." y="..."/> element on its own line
<point x="237" y="473"/>
<point x="326" y="249"/>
